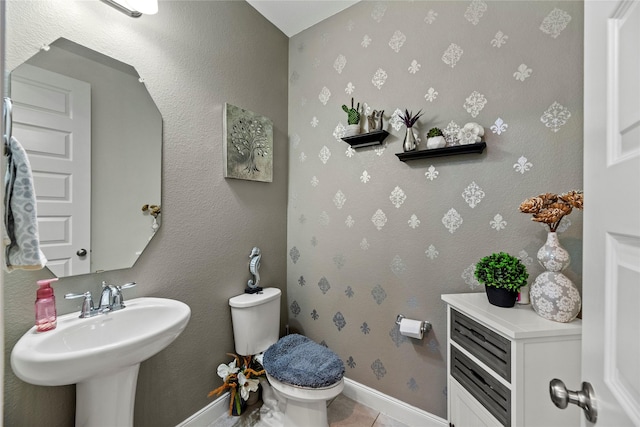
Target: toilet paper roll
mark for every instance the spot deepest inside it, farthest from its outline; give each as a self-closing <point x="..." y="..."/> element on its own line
<point x="411" y="328"/>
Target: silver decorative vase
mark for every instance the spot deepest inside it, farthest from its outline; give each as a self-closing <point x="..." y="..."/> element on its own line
<point x="553" y="295"/>
<point x="409" y="141"/>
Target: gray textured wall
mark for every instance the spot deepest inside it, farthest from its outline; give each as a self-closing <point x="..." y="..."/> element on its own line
<point x="366" y="237"/>
<point x="194" y="57"/>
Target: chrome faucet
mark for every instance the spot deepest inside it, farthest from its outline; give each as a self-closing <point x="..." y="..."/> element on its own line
<point x="111" y="299"/>
<point x="106" y="297"/>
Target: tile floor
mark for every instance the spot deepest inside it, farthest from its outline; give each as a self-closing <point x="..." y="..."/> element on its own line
<point x="341" y="412"/>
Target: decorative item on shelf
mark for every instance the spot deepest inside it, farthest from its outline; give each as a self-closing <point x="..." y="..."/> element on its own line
<point x="553" y="295"/>
<point x="154" y="211"/>
<point x="353" y="119"/>
<point x="470" y="133"/>
<point x="253" y="284"/>
<point x="375" y="120"/>
<point x="240" y="378"/>
<point x="365" y="126"/>
<point x="502" y="275"/>
<point x="435" y="139"/>
<point x="409" y="120"/>
<point x="523" y="295"/>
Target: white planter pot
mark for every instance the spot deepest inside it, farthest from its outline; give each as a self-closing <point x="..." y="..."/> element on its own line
<point x="436" y="142"/>
<point x="352" y="130"/>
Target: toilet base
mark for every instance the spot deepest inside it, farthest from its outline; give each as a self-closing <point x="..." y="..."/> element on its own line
<point x="289" y="406"/>
<point x="308" y="414"/>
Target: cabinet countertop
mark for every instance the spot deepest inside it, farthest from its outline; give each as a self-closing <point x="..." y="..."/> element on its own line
<point x="518" y="322"/>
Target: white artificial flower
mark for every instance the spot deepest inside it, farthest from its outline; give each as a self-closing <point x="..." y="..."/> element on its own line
<point x="225" y="370"/>
<point x="246" y="385"/>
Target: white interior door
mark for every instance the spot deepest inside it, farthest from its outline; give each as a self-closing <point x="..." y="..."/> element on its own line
<point x="52" y="121"/>
<point x="611" y="284"/>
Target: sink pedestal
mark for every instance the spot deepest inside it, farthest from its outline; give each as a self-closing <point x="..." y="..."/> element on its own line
<point x="107" y="400"/>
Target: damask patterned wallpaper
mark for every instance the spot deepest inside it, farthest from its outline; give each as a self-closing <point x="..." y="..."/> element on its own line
<point x="370" y="237"/>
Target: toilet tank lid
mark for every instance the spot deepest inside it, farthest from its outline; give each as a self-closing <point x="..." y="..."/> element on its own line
<point x="251" y="300"/>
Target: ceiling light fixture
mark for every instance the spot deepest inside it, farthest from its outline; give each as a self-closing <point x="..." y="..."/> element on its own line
<point x="134" y="8"/>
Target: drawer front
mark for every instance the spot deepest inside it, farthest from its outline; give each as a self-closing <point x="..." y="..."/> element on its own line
<point x="489" y="392"/>
<point x="489" y="347"/>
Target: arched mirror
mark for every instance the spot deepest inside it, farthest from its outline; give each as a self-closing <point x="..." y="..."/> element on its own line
<point x="94" y="139"/>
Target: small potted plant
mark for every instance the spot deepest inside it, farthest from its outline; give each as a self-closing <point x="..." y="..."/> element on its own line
<point x="435" y="139"/>
<point x="353" y="119"/>
<point x="502" y="275"/>
<point x="409" y="120"/>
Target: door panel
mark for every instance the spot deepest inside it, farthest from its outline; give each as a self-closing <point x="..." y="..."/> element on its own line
<point x="52" y="121"/>
<point x="611" y="286"/>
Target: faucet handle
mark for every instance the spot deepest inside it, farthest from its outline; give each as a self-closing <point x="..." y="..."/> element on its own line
<point x="118" y="299"/>
<point x="87" y="303"/>
<point x="126" y="286"/>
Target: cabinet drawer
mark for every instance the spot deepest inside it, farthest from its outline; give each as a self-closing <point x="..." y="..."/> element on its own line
<point x="489" y="392"/>
<point x="489" y="347"/>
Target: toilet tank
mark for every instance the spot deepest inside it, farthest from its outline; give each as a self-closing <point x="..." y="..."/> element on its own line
<point x="256" y="320"/>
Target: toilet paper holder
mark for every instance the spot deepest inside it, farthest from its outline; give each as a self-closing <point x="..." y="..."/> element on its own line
<point x="425" y="328"/>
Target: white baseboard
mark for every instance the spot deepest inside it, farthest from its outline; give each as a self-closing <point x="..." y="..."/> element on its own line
<point x="207" y="415"/>
<point x="390" y="406"/>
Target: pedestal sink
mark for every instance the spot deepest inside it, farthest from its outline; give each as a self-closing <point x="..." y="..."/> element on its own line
<point x="100" y="354"/>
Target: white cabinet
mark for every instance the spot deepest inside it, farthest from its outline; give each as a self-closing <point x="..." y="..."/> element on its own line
<point x="500" y="362"/>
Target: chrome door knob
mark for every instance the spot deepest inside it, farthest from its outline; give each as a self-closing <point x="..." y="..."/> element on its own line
<point x="81" y="252"/>
<point x="585" y="398"/>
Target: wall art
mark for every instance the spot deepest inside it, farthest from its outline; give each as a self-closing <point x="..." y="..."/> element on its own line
<point x="248" y="145"/>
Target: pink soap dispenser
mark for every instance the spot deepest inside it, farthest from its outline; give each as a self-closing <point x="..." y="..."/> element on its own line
<point x="46" y="318"/>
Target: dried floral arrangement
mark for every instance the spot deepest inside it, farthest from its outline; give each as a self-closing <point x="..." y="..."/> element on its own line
<point x="550" y="208"/>
<point x="409" y="118"/>
<point x="240" y="377"/>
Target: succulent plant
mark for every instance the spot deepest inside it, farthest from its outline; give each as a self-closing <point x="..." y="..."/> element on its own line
<point x="353" y="116"/>
<point x="433" y="132"/>
<point x="409" y="118"/>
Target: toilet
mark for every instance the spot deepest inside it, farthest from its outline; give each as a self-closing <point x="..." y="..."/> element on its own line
<point x="303" y="374"/>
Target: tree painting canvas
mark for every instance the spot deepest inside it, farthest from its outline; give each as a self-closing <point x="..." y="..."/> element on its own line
<point x="248" y="145"/>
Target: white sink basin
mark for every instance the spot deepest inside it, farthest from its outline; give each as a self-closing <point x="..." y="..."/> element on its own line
<point x="94" y="351"/>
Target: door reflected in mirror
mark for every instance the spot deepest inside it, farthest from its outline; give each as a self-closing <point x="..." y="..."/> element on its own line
<point x="94" y="139"/>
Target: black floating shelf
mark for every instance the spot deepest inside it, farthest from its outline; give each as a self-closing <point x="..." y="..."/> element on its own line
<point x="366" y="139"/>
<point x="478" y="148"/>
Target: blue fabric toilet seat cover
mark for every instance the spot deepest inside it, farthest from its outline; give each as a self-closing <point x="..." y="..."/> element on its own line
<point x="297" y="360"/>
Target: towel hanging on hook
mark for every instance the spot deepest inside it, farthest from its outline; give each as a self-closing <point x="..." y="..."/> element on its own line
<point x="7" y="116"/>
<point x="21" y="237"/>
